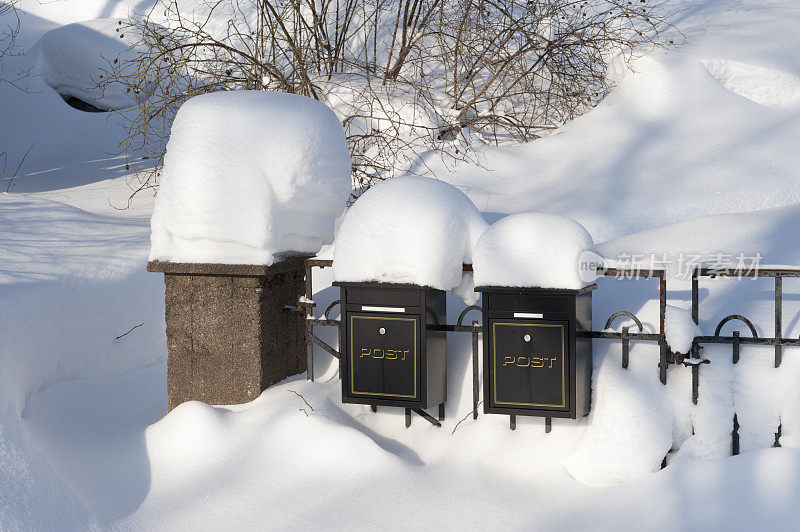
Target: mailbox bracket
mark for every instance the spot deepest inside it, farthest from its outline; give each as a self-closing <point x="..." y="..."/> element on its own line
<point x="429" y="418"/>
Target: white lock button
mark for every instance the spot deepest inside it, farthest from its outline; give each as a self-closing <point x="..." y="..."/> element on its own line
<point x="527" y="337"/>
<point x="382" y="330"/>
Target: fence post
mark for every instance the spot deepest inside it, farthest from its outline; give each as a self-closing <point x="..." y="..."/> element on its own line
<point x="778" y="318"/>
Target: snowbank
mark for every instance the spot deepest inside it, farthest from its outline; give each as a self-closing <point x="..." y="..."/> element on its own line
<point x="408" y="230"/>
<point x="248" y="176"/>
<point x="71" y="286"/>
<point x="680" y="329"/>
<point x="532" y="250"/>
<point x="73" y="59"/>
<point x="630" y="427"/>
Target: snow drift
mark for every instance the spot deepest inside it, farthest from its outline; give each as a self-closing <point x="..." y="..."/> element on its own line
<point x="75" y="57"/>
<point x="249" y="176"/>
<point x="412" y="230"/>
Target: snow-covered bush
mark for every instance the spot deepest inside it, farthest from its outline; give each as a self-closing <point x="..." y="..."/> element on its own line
<point x="419" y="75"/>
<point x="10" y="22"/>
<point x="413" y="230"/>
<point x="75" y="57"/>
<point x="532" y="250"/>
<point x="248" y="176"/>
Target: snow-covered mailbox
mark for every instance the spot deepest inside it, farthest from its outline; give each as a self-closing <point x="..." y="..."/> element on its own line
<point x="399" y="247"/>
<point x="535" y="305"/>
<point x="252" y="183"/>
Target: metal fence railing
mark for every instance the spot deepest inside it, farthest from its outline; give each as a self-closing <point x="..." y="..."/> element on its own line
<point x="667" y="357"/>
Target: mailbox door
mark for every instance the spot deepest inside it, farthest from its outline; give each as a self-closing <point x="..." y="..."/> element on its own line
<point x="383" y="357"/>
<point x="529" y="365"/>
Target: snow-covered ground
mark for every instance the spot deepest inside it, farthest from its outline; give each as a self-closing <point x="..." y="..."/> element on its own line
<point x="694" y="152"/>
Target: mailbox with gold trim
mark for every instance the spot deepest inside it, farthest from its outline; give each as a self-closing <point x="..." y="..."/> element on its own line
<point x="390" y="355"/>
<point x="536" y="362"/>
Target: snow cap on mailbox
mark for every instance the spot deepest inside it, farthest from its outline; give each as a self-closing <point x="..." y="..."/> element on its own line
<point x="533" y="250"/>
<point x="408" y="230"/>
<point x="248" y="177"/>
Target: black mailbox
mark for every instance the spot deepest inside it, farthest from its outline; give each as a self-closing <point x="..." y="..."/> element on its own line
<point x="535" y="360"/>
<point x="390" y="355"/>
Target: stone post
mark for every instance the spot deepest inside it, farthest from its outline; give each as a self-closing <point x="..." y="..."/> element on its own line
<point x="229" y="335"/>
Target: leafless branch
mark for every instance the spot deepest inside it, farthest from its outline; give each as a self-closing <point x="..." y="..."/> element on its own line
<point x="9" y="30"/>
<point x="406" y="77"/>
<point x="303" y="398"/>
<point x="129" y="331"/>
<point x="466" y="417"/>
<point x="16" y="171"/>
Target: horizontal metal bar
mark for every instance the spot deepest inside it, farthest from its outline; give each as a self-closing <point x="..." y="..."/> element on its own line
<point x="327" y="263"/>
<point x="456" y="328"/>
<point x="644" y="272"/>
<point x="324" y="323"/>
<point x="652" y="337"/>
<point x="749" y="272"/>
<point x="746" y="340"/>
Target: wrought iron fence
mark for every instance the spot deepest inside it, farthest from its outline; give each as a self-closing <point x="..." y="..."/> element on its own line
<point x="625" y="336"/>
<point x="735" y="339"/>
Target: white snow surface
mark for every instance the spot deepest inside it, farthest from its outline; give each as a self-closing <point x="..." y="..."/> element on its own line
<point x="630" y="430"/>
<point x="673" y="161"/>
<point x="680" y="329"/>
<point x="765" y="86"/>
<point x="75" y="57"/>
<point x="532" y="250"/>
<point x="413" y="230"/>
<point x="250" y="176"/>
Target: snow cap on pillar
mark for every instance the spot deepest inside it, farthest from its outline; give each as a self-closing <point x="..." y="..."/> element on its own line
<point x="250" y="177"/>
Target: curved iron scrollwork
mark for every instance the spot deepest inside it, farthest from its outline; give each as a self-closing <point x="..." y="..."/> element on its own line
<point x="623" y="313"/>
<point x="739" y="317"/>
<point x="459" y="322"/>
<point x="330" y="307"/>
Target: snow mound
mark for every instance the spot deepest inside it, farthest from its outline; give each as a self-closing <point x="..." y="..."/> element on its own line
<point x="765" y="86"/>
<point x="630" y="427"/>
<point x="412" y="230"/>
<point x="680" y="329"/>
<point x="250" y="176"/>
<point x="532" y="250"/>
<point x="74" y="57"/>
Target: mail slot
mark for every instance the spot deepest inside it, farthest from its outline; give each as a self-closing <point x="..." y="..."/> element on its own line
<point x="536" y="362"/>
<point x="390" y="354"/>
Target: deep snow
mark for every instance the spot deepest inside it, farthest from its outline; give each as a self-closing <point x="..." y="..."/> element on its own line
<point x="249" y="176"/>
<point x="533" y="250"/>
<point x="695" y="133"/>
<point x="410" y="229"/>
<point x="75" y="57"/>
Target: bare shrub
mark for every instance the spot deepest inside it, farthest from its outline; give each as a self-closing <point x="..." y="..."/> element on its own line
<point x="406" y="77"/>
<point x="9" y="29"/>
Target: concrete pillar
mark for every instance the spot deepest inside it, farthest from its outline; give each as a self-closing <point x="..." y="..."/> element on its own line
<point x="228" y="334"/>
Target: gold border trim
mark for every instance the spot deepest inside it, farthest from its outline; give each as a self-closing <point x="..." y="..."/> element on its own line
<point x="352" y="374"/>
<point x="494" y="364"/>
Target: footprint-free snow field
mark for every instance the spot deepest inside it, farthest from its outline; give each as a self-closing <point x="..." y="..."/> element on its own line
<point x="694" y="151"/>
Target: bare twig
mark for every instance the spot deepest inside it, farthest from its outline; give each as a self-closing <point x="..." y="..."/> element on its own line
<point x="453" y="74"/>
<point x="304" y="400"/>
<point x="466" y="417"/>
<point x="18" y="166"/>
<point x="129" y="331"/>
<point x="4" y="156"/>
